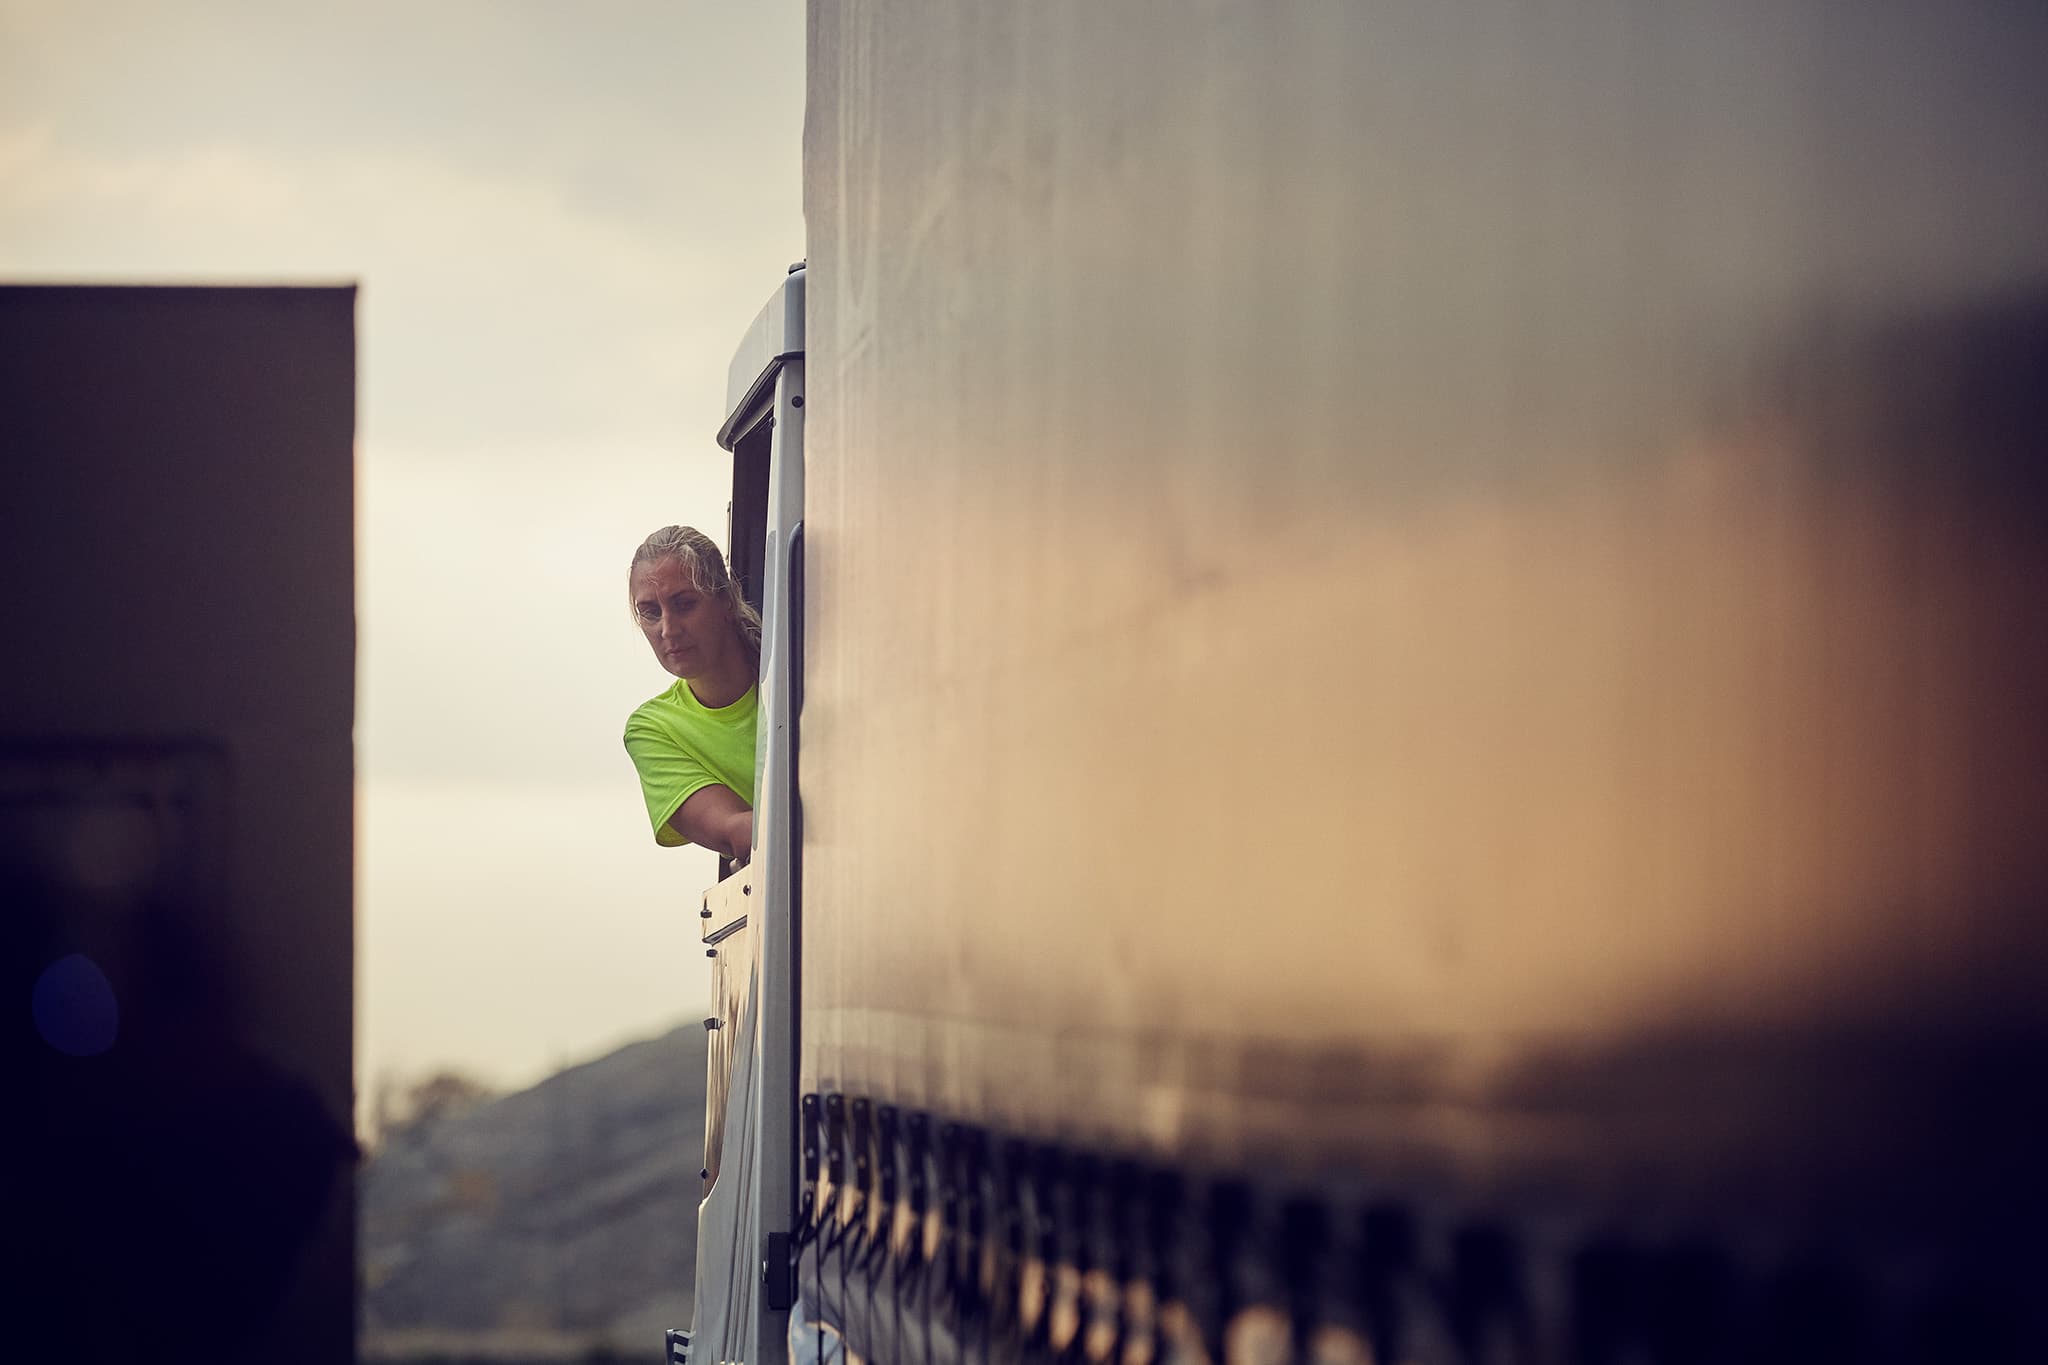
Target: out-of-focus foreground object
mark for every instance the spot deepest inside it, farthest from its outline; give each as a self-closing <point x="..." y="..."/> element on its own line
<point x="177" y="821"/>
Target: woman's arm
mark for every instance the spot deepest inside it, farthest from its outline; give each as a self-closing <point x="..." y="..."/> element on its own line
<point x="715" y="817"/>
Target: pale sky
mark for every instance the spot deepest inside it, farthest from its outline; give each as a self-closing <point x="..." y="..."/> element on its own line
<point x="561" y="218"/>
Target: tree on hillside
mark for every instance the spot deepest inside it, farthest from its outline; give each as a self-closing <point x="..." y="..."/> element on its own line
<point x="403" y="1105"/>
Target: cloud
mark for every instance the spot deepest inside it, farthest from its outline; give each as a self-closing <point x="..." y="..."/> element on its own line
<point x="632" y="97"/>
<point x="41" y="186"/>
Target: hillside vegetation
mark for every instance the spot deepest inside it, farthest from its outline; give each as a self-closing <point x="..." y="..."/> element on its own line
<point x="558" y="1223"/>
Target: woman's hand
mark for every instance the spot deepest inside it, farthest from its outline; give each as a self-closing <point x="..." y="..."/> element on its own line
<point x="716" y="818"/>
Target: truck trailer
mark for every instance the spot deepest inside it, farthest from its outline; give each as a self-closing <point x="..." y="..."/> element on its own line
<point x="1402" y="692"/>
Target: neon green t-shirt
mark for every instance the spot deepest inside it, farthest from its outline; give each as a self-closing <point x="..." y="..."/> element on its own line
<point x="681" y="746"/>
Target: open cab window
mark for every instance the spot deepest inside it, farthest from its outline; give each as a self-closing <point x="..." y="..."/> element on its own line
<point x="763" y="432"/>
<point x="746" y="516"/>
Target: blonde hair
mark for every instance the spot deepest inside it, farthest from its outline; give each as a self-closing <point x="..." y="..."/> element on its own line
<point x="699" y="556"/>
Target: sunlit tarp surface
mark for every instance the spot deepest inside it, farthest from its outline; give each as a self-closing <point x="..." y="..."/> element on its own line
<point x="1455" y="583"/>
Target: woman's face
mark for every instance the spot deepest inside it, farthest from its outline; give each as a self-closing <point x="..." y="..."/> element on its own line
<point x="688" y="630"/>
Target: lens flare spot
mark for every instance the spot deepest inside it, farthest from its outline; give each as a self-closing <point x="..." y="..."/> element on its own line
<point x="75" y="1008"/>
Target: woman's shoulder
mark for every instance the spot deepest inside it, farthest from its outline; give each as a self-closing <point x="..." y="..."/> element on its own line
<point x="678" y="709"/>
<point x="650" y="714"/>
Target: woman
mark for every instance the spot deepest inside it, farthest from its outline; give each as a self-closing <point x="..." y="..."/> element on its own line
<point x="694" y="744"/>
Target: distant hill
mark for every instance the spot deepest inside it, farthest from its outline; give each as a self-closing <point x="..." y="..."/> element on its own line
<point x="545" y="1224"/>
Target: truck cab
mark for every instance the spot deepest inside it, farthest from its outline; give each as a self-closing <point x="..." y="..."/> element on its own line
<point x="750" y="917"/>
